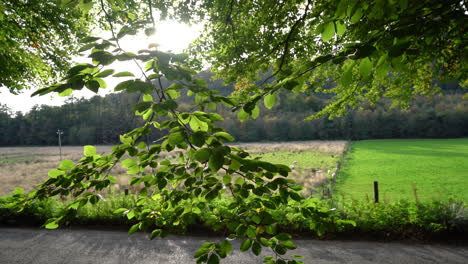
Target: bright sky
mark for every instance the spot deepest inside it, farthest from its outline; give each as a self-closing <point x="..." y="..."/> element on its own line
<point x="171" y="36"/>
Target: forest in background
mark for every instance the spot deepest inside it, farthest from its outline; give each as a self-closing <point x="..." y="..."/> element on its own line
<point x="101" y="119"/>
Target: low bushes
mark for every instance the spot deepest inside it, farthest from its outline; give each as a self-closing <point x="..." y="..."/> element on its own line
<point x="311" y="217"/>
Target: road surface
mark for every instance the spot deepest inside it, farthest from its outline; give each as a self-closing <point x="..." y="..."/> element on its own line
<point x="79" y="246"/>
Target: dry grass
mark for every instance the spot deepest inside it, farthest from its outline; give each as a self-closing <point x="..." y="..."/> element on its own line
<point x="27" y="166"/>
<point x="313" y="162"/>
<point x="332" y="147"/>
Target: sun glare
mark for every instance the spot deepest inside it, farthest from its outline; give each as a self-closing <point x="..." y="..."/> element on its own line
<point x="170" y="36"/>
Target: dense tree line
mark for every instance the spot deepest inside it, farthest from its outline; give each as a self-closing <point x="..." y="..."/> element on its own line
<point x="443" y="116"/>
<point x="100" y="120"/>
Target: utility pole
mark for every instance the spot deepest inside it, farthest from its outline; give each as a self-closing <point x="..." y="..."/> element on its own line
<point x="60" y="133"/>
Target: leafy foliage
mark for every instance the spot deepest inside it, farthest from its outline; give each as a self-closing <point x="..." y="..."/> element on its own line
<point x="38" y="39"/>
<point x="400" y="219"/>
<point x="367" y="49"/>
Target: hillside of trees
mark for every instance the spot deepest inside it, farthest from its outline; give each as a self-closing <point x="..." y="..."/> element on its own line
<point x="100" y="120"/>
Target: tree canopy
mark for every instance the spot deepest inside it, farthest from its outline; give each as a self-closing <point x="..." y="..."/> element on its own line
<point x="367" y="49"/>
<point x="38" y="40"/>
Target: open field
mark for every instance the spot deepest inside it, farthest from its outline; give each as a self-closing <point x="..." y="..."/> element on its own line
<point x="313" y="162"/>
<point x="433" y="168"/>
<point x="27" y="166"/>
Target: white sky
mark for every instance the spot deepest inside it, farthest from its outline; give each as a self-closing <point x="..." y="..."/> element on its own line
<point x="171" y="36"/>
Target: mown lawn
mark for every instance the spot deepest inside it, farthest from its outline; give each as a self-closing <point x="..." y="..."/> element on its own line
<point x="437" y="168"/>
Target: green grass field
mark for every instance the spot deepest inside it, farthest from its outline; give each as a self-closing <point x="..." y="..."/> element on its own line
<point x="437" y="168"/>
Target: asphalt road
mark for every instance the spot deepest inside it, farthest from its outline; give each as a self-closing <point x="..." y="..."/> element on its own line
<point x="19" y="245"/>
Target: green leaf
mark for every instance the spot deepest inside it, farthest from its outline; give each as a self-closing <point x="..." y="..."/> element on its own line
<point x="226" y="247"/>
<point x="150" y="31"/>
<point x="224" y="135"/>
<point x="124" y="74"/>
<point x="101" y="82"/>
<point x="89" y="151"/>
<point x="130" y="214"/>
<point x="126" y="30"/>
<point x="112" y="179"/>
<point x="85" y="6"/>
<point x="288" y="244"/>
<point x="141" y="145"/>
<point x="66" y="165"/>
<point x="89" y="39"/>
<point x="134" y="228"/>
<point x="255" y="112"/>
<point x="120" y="211"/>
<point x="155" y="233"/>
<point x="105" y="73"/>
<point x="227" y="179"/>
<point x="365" y="67"/>
<point x="256" y="248"/>
<point x="269" y="100"/>
<point x="265" y="242"/>
<point x="257" y="220"/>
<point x="198" y="125"/>
<point x="87" y="47"/>
<point x="66" y="92"/>
<point x="328" y="31"/>
<point x="382" y="70"/>
<point x="173" y="94"/>
<point x="204" y="249"/>
<point x="245" y="245"/>
<point x="52" y="225"/>
<point x="242" y="115"/>
<point x="213" y="259"/>
<point x="202" y="155"/>
<point x="347" y="77"/>
<point x="357" y="15"/>
<point x="295" y="196"/>
<point x="126" y="140"/>
<point x="216" y="161"/>
<point x="197" y="139"/>
<point x="147" y="98"/>
<point x="133" y="86"/>
<point x="93" y="85"/>
<point x="18" y="191"/>
<point x="340" y="28"/>
<point x="176" y="138"/>
<point x="283" y="236"/>
<point x="251" y="231"/>
<point x="280" y="250"/>
<point x="102" y="57"/>
<point x="142" y="106"/>
<point x="128" y="163"/>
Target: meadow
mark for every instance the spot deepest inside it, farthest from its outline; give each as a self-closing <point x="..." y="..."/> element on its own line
<point x="421" y="169"/>
<point x="312" y="160"/>
<point x="313" y="163"/>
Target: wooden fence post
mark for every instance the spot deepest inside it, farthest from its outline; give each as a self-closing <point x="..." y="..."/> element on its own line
<point x="376" y="191"/>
